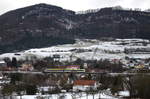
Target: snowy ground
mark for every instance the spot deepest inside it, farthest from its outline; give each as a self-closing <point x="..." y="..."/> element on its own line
<point x="70" y="96"/>
<point x="87" y="50"/>
<point x="81" y="95"/>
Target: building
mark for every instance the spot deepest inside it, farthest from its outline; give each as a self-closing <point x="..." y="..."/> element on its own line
<point x="48" y="86"/>
<point x="97" y="70"/>
<point x="73" y="67"/>
<point x="26" y="67"/>
<point x="85" y="85"/>
<point x="3" y="63"/>
<point x="56" y="57"/>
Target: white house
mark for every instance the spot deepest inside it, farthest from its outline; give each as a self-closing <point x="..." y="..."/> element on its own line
<point x="48" y="86"/>
<point x="85" y="85"/>
<point x="3" y="63"/>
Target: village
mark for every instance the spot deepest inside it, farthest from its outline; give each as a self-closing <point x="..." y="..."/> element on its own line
<point x="20" y="84"/>
<point x="64" y="75"/>
<point x="88" y="54"/>
<point x="54" y="77"/>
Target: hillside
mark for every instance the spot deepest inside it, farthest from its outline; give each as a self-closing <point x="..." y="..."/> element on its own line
<point x="90" y="49"/>
<point x="45" y="25"/>
<point x="34" y="26"/>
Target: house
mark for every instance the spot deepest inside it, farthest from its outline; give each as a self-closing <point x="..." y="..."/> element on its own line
<point x="26" y="67"/>
<point x="48" y="86"/>
<point x="56" y="57"/>
<point x="43" y="89"/>
<point x="69" y="67"/>
<point x="73" y="67"/>
<point x="3" y="63"/>
<point x="85" y="85"/>
<point x="97" y="70"/>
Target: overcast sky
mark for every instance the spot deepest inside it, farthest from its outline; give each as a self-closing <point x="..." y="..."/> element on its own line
<point x="76" y="5"/>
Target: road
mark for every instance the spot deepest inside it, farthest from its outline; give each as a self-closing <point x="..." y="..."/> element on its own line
<point x="100" y="73"/>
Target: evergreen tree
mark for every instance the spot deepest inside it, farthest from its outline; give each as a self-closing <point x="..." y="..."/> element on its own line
<point x="31" y="89"/>
<point x="14" y="62"/>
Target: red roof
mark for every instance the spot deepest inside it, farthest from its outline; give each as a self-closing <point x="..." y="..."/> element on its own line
<point x="70" y="66"/>
<point x="84" y="82"/>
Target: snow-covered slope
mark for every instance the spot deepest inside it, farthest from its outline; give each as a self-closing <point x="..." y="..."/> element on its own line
<point x="89" y="49"/>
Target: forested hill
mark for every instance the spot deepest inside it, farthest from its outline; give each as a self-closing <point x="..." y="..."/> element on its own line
<point x="44" y="25"/>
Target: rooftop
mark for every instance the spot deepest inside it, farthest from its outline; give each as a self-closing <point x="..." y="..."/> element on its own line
<point x="84" y="82"/>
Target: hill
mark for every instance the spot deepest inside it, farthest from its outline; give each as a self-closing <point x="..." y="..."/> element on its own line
<point x="45" y="25"/>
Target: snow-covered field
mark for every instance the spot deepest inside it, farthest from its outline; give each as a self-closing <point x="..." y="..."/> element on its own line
<point x="69" y="96"/>
<point x="88" y="49"/>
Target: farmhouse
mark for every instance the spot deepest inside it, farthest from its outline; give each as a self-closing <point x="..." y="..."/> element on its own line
<point x="85" y="85"/>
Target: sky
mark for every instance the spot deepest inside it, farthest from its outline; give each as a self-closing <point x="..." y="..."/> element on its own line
<point x="75" y="5"/>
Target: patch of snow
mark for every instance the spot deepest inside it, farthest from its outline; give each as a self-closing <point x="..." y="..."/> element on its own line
<point x="124" y="93"/>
